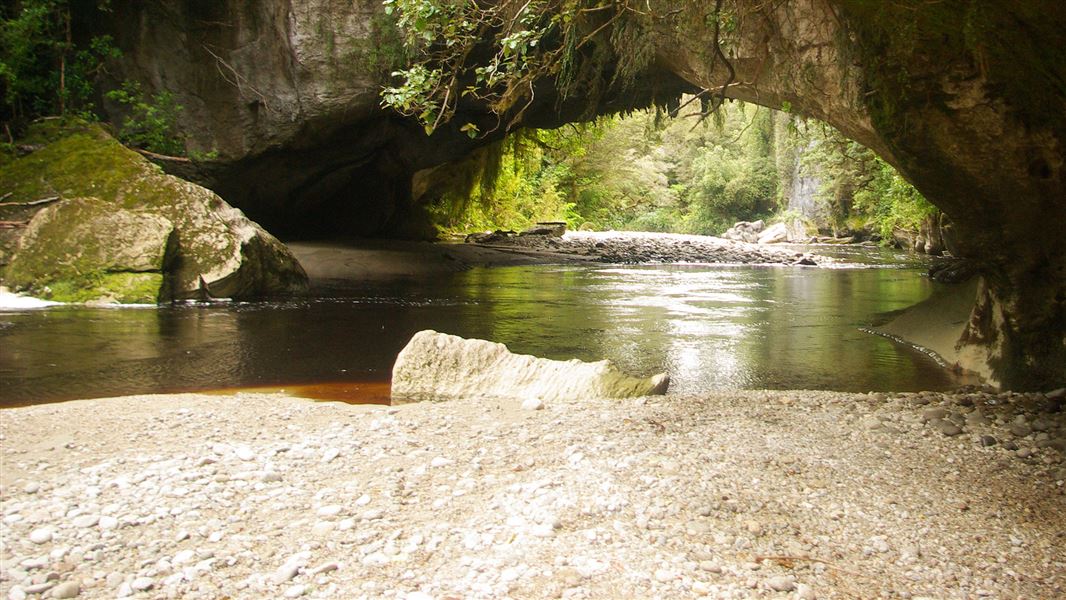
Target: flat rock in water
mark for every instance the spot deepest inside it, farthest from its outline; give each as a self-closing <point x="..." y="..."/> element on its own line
<point x="436" y="366"/>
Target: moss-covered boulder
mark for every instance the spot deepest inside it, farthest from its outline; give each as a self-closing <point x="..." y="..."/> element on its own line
<point x="108" y="193"/>
<point x="85" y="249"/>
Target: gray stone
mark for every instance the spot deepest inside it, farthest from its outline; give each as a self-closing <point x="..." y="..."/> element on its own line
<point x="67" y="589"/>
<point x="948" y="428"/>
<point x="934" y="414"/>
<point x="987" y="440"/>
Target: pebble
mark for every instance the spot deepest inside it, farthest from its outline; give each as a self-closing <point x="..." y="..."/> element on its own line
<point x="67" y="589"/>
<point x="244" y="453"/>
<point x="330" y="454"/>
<point x="32" y="487"/>
<point x="439" y="461"/>
<point x="330" y="510"/>
<point x="533" y="404"/>
<point x="988" y="440"/>
<point x="83" y="521"/>
<point x="16" y="593"/>
<point x="948" y="428"/>
<point x="41" y="535"/>
<point x="781" y="583"/>
<point x="142" y="583"/>
<point x="296" y="591"/>
<point x="286" y="572"/>
<point x="107" y="522"/>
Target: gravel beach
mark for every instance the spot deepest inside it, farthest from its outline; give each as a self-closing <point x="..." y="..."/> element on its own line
<point x="634" y="247"/>
<point x="729" y="495"/>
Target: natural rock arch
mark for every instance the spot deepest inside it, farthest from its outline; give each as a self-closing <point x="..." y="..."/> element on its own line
<point x="967" y="99"/>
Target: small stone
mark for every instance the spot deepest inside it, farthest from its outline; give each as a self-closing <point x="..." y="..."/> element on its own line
<point x="286" y="572"/>
<point x="183" y="557"/>
<point x="1057" y="393"/>
<point x="805" y="592"/>
<point x="67" y="589"/>
<point x="245" y="453"/>
<point x="296" y="591"/>
<point x="330" y="454"/>
<point x="107" y="522"/>
<point x="417" y="596"/>
<point x="781" y="584"/>
<point x="16" y="593"/>
<point x="934" y="414"/>
<point x="331" y="510"/>
<point x="439" y="461"/>
<point x="987" y="440"/>
<point x="83" y="521"/>
<point x="948" y="428"/>
<point x="533" y="404"/>
<point x="664" y="575"/>
<point x="1023" y="452"/>
<point x="322" y="528"/>
<point x="325" y="568"/>
<point x="41" y="535"/>
<point x="32" y="487"/>
<point x="710" y="567"/>
<point x="142" y="583"/>
<point x="1020" y="427"/>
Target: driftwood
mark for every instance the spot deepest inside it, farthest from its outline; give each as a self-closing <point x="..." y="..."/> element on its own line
<point x="30" y="203"/>
<point x="165" y="157"/>
<point x="13" y="224"/>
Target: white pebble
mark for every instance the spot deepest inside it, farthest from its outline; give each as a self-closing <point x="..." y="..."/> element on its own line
<point x="107" y="522"/>
<point x="41" y="535"/>
<point x="142" y="583"/>
<point x="245" y="453"/>
<point x="84" y="521"/>
<point x="440" y="461"/>
<point x="330" y="510"/>
<point x="533" y="404"/>
<point x="330" y="454"/>
<point x="296" y="591"/>
<point x="183" y="557"/>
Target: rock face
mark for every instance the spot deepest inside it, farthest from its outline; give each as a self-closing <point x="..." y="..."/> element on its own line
<point x="437" y="367"/>
<point x="125" y="231"/>
<point x="966" y="100"/>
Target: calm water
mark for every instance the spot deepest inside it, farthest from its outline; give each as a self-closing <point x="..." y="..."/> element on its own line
<point x="710" y="327"/>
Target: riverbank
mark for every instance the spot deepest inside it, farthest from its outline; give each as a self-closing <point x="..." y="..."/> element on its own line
<point x="726" y="495"/>
<point x="379" y="259"/>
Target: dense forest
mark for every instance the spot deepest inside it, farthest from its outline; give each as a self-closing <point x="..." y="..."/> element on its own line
<point x="653" y="171"/>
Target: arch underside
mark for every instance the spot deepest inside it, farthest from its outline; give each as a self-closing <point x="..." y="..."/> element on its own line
<point x="305" y="145"/>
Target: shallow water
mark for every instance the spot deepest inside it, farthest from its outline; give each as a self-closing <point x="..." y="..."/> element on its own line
<point x="709" y="326"/>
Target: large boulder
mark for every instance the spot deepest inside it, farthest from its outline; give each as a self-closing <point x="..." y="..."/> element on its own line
<point x="116" y="217"/>
<point x="437" y="366"/>
<point x="85" y="249"/>
<point x="774" y="234"/>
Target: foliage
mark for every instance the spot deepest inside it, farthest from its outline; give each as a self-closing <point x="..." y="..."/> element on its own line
<point x="640" y="171"/>
<point x="152" y="121"/>
<point x="43" y="70"/>
<point x="496" y="53"/>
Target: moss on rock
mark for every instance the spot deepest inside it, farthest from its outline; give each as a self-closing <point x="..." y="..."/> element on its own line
<point x="214" y="242"/>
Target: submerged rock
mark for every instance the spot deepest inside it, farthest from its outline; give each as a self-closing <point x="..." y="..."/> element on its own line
<point x="437" y="366"/>
<point x="122" y="230"/>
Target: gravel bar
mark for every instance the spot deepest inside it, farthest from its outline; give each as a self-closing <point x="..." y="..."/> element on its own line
<point x="746" y="494"/>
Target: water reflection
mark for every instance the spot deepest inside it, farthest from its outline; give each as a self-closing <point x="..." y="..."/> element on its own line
<point x="710" y="327"/>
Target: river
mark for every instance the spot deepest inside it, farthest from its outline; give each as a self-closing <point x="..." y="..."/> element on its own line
<point x="710" y="327"/>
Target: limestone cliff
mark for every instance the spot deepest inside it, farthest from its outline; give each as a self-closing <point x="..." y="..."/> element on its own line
<point x="966" y="98"/>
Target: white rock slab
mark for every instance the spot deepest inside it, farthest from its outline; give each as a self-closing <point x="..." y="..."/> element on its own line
<point x="438" y="367"/>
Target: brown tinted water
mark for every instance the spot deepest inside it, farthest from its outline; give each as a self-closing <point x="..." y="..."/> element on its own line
<point x="710" y="327"/>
